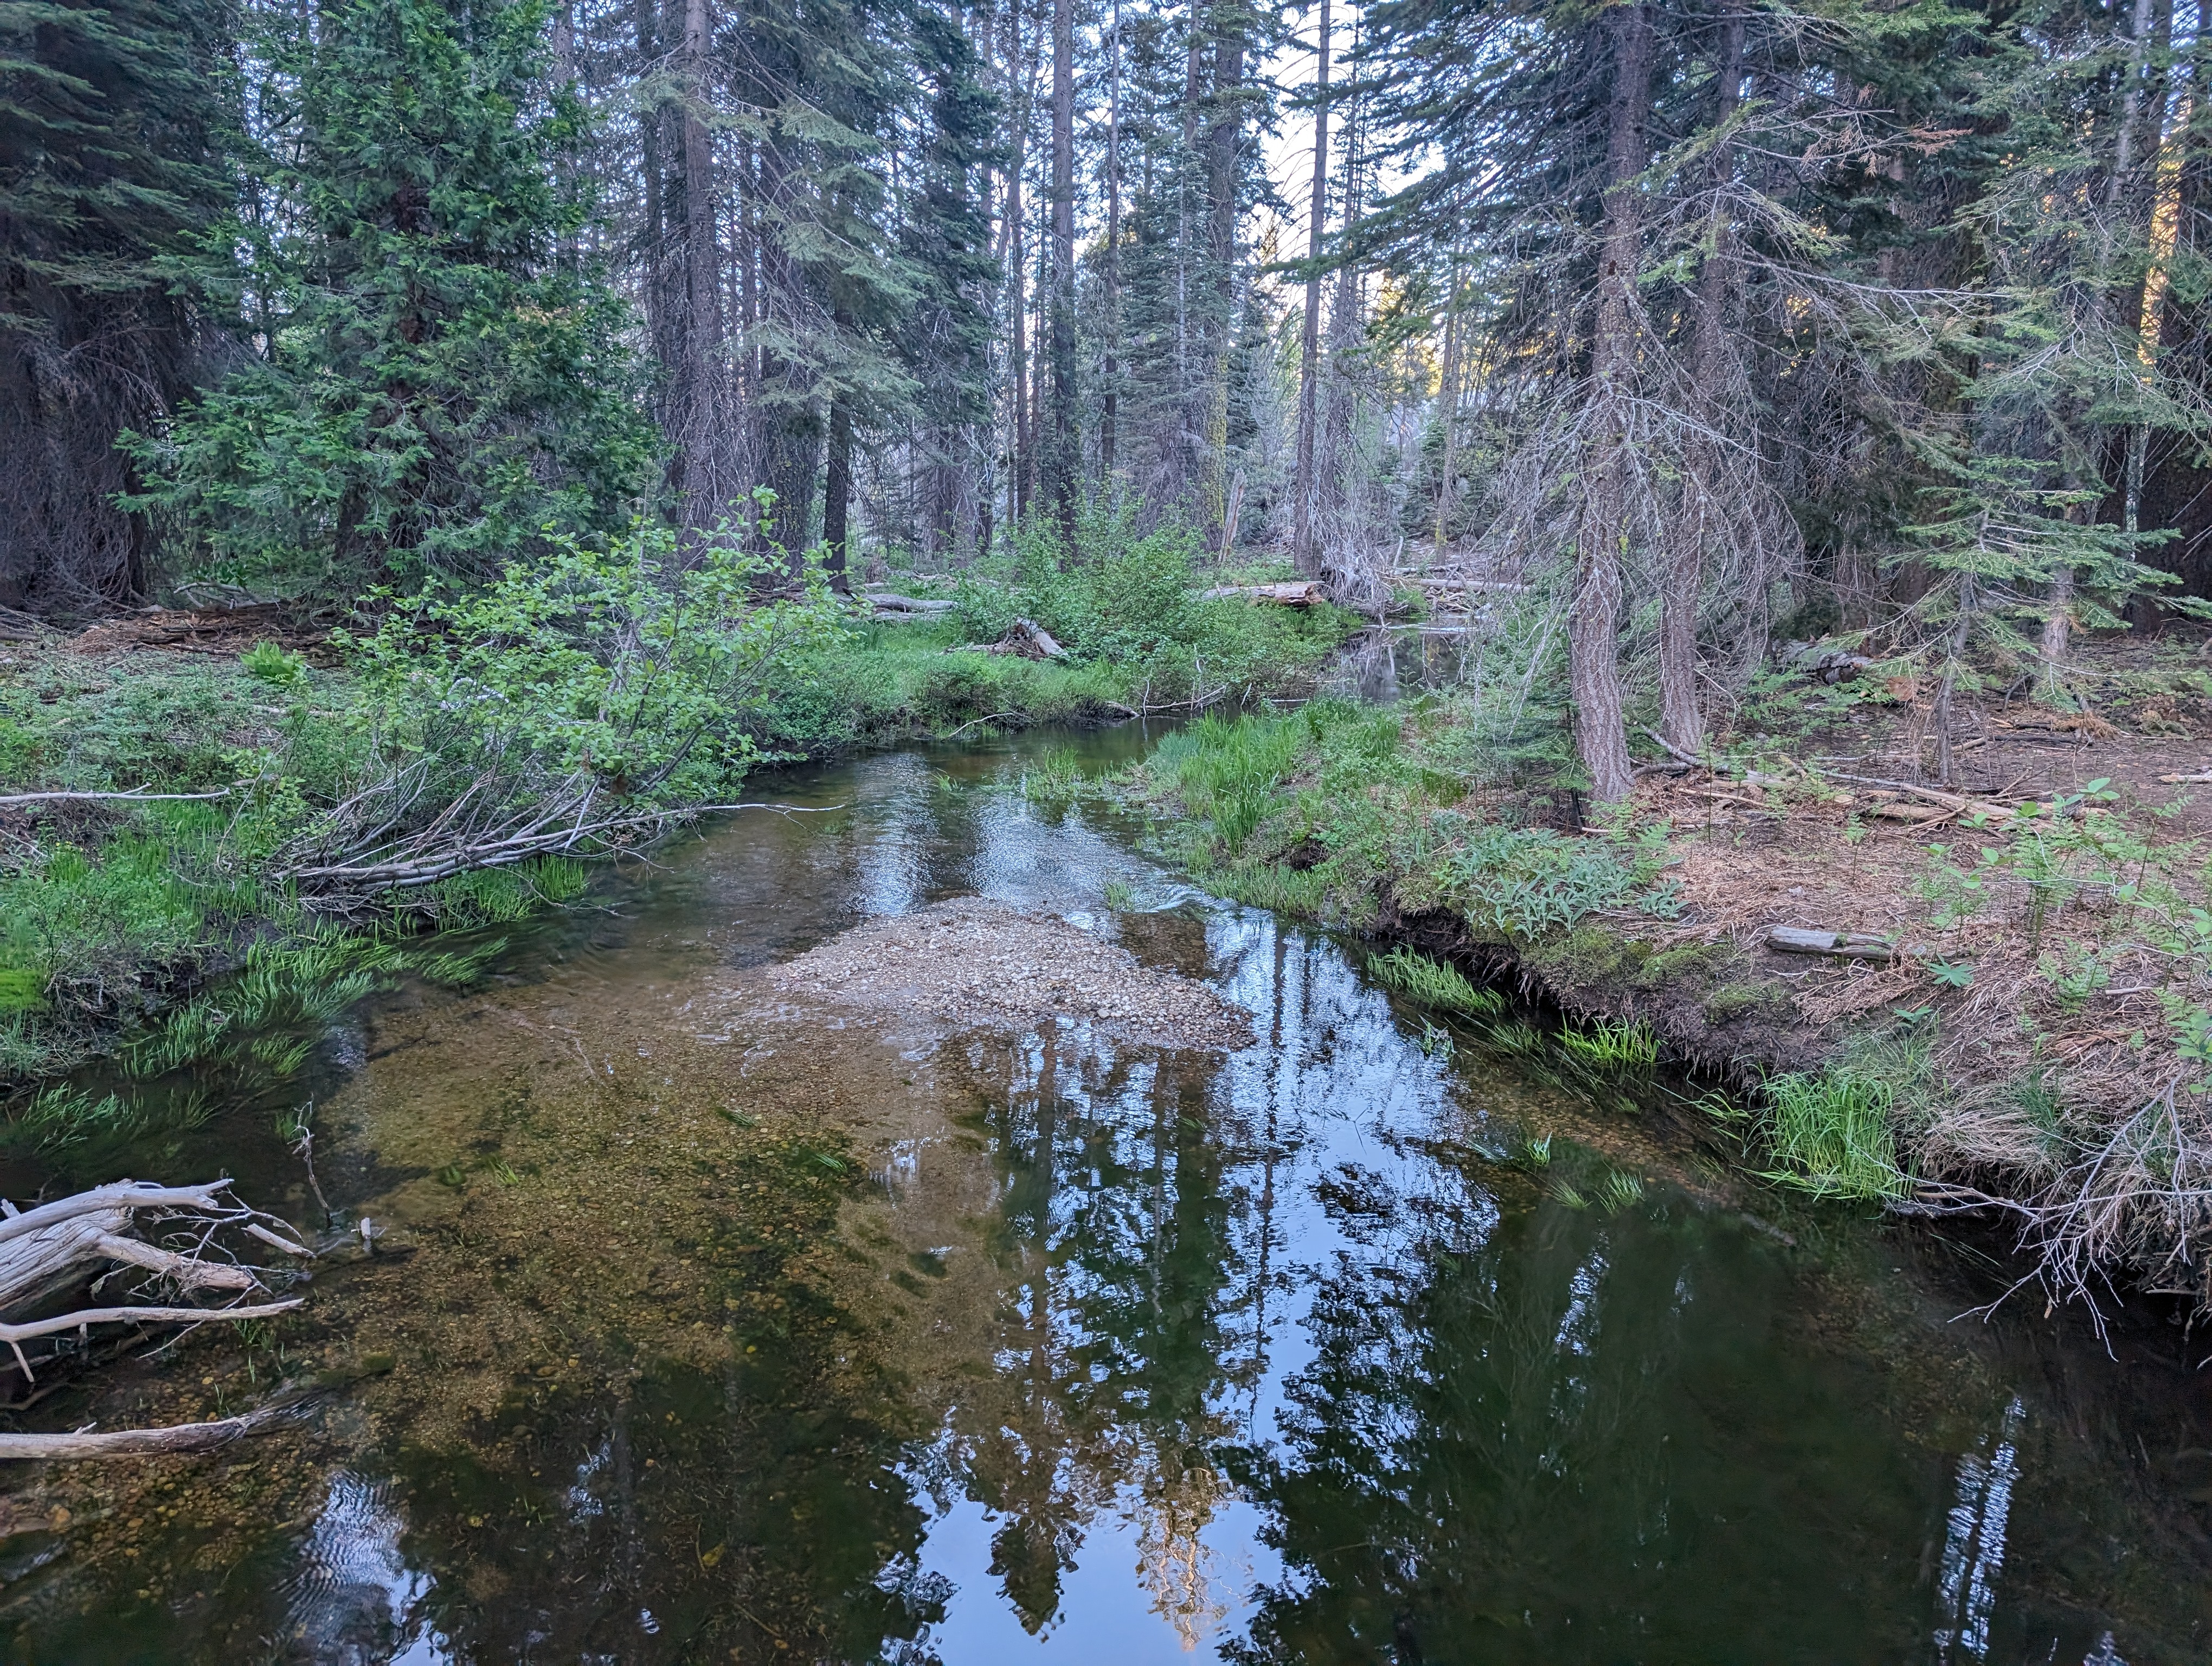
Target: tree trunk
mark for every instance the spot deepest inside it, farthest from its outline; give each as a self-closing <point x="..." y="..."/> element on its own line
<point x="1061" y="465"/>
<point x="836" y="494"/>
<point x="1594" y="623"/>
<point x="1111" y="391"/>
<point x="1019" y="487"/>
<point x="1337" y="403"/>
<point x="1304" y="544"/>
<point x="1681" y="718"/>
<point x="700" y="432"/>
<point x="1447" y="380"/>
<point x="1222" y="141"/>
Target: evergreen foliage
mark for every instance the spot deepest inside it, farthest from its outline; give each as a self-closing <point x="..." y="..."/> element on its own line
<point x="114" y="119"/>
<point x="430" y="389"/>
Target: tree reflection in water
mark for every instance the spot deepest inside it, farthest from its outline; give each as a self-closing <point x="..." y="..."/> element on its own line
<point x="1311" y="1335"/>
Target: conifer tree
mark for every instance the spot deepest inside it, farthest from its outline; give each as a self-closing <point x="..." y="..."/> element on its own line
<point x="433" y="387"/>
<point x="114" y="119"/>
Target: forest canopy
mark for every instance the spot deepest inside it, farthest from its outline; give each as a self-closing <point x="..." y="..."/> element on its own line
<point x="1675" y="324"/>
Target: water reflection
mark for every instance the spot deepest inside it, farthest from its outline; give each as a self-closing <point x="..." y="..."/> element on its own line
<point x="730" y="1331"/>
<point x="354" y="1600"/>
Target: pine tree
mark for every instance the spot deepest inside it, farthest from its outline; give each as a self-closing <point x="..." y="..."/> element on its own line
<point x="434" y="388"/>
<point x="945" y="241"/>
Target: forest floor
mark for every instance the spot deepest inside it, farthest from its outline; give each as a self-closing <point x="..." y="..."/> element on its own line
<point x="159" y="770"/>
<point x="2026" y="1023"/>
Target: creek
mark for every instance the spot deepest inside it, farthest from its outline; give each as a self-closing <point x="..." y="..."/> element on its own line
<point x="704" y="1324"/>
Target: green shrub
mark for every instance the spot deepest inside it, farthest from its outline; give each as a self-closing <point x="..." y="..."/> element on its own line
<point x="1522" y="881"/>
<point x="268" y="663"/>
<point x="611" y="655"/>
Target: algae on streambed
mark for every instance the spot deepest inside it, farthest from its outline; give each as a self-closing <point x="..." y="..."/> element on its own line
<point x="713" y="1323"/>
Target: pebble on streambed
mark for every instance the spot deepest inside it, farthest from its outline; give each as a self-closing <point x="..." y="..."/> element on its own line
<point x="973" y="961"/>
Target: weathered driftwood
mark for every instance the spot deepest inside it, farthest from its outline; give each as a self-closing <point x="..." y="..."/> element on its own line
<point x="915" y="606"/>
<point x="1843" y="946"/>
<point x="1305" y="593"/>
<point x="148" y="1443"/>
<point x="136" y="795"/>
<point x="56" y="1252"/>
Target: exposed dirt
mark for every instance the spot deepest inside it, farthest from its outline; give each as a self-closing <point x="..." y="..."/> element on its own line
<point x="224" y="632"/>
<point x="974" y="961"/>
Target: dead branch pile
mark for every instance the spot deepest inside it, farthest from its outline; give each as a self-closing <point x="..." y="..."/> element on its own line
<point x="188" y="1248"/>
<point x="408" y="829"/>
<point x="221" y="631"/>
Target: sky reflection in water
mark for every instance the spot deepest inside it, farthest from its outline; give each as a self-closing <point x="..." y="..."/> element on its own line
<point x="1305" y="1354"/>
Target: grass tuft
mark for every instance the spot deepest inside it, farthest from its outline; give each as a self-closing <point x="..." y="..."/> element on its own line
<point x="1434" y="983"/>
<point x="1833" y="1136"/>
<point x="1608" y="1043"/>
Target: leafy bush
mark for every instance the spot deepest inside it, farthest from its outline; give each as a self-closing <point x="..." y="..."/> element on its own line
<point x="610" y="656"/>
<point x="1522" y="881"/>
<point x="1127" y="600"/>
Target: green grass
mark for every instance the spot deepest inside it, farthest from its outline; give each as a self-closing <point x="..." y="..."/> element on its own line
<point x="1608" y="1043"/>
<point x="1056" y="780"/>
<point x="1832" y="1134"/>
<point x="1434" y="983"/>
<point x="63" y="1121"/>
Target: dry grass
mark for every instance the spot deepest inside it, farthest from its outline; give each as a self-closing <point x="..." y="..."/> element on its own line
<point x="2054" y="1013"/>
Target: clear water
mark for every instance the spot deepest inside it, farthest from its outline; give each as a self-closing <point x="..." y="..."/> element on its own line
<point x="705" y="1328"/>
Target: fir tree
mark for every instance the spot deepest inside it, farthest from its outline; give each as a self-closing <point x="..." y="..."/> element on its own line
<point x="433" y="388"/>
<point x="112" y="119"/>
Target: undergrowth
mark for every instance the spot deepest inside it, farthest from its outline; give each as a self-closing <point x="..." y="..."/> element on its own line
<point x="1434" y="983"/>
<point x="166" y="925"/>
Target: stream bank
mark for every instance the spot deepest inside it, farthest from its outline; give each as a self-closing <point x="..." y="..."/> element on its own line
<point x="2028" y="1033"/>
<point x="713" y="1320"/>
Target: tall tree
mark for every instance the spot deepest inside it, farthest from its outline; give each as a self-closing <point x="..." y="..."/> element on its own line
<point x="1303" y="547"/>
<point x="435" y="387"/>
<point x="1062" y="455"/>
<point x="112" y="124"/>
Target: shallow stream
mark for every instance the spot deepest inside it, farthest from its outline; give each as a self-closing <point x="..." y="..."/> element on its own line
<point x="703" y="1326"/>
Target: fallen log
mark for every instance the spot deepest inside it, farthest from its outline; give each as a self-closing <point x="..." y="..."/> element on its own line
<point x="147" y="1443"/>
<point x="1305" y="593"/>
<point x="892" y="604"/>
<point x="1842" y="945"/>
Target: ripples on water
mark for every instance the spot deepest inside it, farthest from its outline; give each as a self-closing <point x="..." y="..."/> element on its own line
<point x="1337" y="1349"/>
